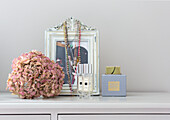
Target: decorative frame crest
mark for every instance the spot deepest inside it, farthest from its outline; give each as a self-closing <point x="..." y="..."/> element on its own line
<point x="71" y="26"/>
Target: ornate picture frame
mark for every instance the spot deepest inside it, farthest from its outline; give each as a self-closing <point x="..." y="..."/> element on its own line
<point x="89" y="50"/>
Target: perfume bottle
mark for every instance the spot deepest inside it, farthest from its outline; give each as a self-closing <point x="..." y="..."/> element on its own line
<point x="85" y="81"/>
<point x="80" y="80"/>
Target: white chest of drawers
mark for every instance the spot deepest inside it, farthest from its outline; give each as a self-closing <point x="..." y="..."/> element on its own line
<point x="136" y="106"/>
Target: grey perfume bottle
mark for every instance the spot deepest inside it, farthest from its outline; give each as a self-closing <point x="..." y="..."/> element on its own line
<point x="85" y="81"/>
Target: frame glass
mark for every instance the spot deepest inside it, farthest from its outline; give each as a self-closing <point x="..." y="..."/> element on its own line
<point x="89" y="51"/>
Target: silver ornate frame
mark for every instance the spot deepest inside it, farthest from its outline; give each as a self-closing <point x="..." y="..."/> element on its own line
<point x="88" y="34"/>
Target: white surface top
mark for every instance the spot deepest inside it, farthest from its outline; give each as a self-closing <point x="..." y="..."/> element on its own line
<point x="133" y="100"/>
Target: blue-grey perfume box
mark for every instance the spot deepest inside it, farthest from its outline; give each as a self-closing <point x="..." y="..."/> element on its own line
<point x="114" y="85"/>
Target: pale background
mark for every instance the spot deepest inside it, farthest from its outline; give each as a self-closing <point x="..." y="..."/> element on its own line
<point x="133" y="34"/>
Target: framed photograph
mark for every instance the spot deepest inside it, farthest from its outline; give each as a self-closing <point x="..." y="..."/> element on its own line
<point x="82" y="41"/>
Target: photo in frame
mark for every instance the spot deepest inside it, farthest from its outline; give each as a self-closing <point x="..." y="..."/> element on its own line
<point x="82" y="40"/>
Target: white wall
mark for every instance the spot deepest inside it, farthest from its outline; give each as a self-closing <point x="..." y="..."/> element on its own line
<point x="133" y="34"/>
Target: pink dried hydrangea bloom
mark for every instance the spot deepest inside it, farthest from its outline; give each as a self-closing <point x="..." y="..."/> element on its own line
<point x="35" y="75"/>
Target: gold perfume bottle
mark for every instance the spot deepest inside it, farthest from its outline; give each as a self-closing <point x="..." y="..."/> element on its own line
<point x="85" y="81"/>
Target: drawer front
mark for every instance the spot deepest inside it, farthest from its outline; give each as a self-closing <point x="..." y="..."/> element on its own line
<point x="114" y="117"/>
<point x="24" y="117"/>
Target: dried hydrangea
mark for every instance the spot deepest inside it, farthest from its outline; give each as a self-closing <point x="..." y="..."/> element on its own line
<point x="34" y="75"/>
